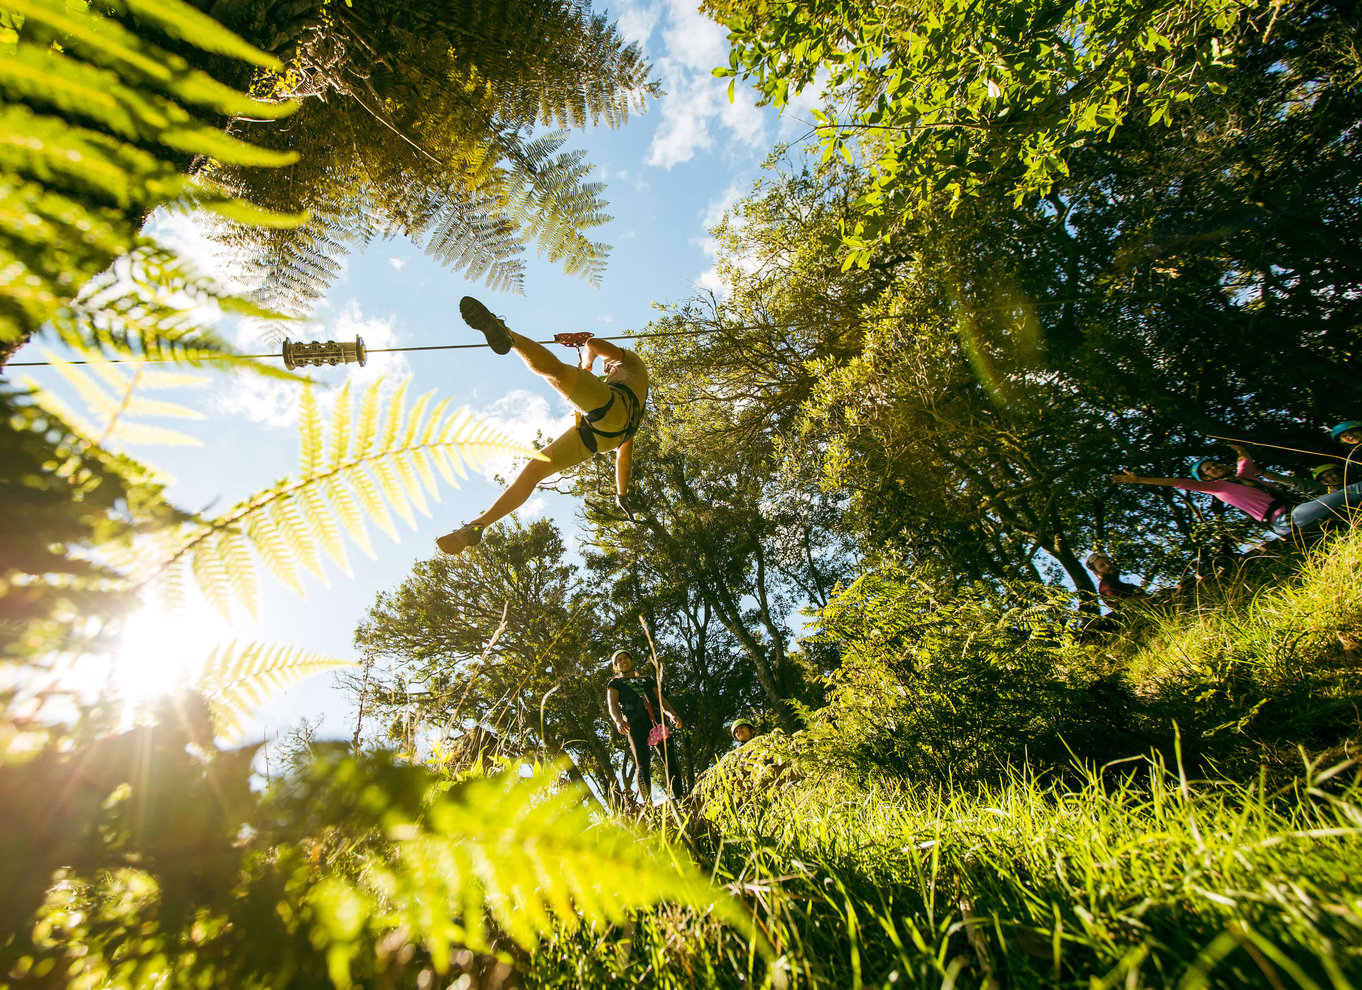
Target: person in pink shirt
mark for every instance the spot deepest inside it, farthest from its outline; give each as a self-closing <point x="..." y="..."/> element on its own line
<point x="1241" y="488"/>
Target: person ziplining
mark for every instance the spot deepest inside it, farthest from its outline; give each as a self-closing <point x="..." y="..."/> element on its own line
<point x="609" y="413"/>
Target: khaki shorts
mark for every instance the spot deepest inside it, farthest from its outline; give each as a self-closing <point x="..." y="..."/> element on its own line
<point x="590" y="393"/>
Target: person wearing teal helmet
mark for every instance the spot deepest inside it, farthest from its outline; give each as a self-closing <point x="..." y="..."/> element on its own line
<point x="1348" y="432"/>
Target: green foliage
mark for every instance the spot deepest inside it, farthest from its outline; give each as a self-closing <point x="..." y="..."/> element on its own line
<point x="96" y="125"/>
<point x="436" y="139"/>
<point x="113" y="393"/>
<point x="363" y="466"/>
<point x="497" y="653"/>
<point x="960" y="686"/>
<point x="155" y="861"/>
<point x="62" y="497"/>
<point x="945" y="99"/>
<point x="1140" y="876"/>
<point x="236" y="679"/>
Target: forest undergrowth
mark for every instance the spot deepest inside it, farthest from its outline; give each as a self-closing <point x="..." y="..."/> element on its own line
<point x="1208" y="838"/>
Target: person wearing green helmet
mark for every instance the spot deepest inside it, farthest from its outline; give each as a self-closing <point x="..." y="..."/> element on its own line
<point x="1329" y="476"/>
<point x="743" y="731"/>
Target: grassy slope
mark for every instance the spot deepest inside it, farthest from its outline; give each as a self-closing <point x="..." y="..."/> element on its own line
<point x="1140" y="875"/>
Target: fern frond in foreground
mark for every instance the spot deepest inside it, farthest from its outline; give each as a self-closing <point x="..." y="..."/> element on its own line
<point x="352" y="871"/>
<point x="363" y="466"/>
<point x="236" y="679"/>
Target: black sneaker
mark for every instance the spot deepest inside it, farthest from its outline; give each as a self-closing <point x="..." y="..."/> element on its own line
<point x="461" y="539"/>
<point x="479" y="317"/>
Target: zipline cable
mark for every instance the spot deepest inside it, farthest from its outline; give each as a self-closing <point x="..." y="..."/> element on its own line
<point x="222" y="358"/>
<point x="367" y="350"/>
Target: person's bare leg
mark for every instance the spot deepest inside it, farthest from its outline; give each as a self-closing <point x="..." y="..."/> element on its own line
<point x="516" y="493"/>
<point x="561" y="375"/>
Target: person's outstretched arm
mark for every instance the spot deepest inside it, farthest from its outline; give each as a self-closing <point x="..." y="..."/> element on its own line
<point x="1130" y="478"/>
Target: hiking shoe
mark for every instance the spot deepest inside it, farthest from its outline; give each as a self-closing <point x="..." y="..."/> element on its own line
<point x="479" y="317"/>
<point x="461" y="539"/>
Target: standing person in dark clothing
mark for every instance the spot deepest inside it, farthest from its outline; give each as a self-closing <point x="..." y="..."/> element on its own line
<point x="637" y="708"/>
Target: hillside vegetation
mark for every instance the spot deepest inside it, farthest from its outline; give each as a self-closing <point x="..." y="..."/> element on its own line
<point x="1216" y="844"/>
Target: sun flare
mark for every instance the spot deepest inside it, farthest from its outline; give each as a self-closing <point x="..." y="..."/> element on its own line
<point x="162" y="653"/>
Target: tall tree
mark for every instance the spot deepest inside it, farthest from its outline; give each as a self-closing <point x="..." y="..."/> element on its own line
<point x="425" y="120"/>
<point x="445" y="673"/>
<point x="711" y="542"/>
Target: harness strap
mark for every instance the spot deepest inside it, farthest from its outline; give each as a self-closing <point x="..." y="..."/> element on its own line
<point x="588" y="430"/>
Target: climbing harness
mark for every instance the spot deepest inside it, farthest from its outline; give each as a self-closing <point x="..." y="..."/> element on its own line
<point x="586" y="424"/>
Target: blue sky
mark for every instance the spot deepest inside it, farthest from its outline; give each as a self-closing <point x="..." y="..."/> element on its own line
<point x="670" y="174"/>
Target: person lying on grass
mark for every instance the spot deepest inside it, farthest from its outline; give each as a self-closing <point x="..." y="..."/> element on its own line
<point x="611" y="409"/>
<point x="1238" y="487"/>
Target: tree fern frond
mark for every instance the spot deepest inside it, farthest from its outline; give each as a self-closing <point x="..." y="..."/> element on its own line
<point x="179" y="20"/>
<point x="340" y="428"/>
<point x="234" y="675"/>
<point x="325" y="525"/>
<point x="300" y="520"/>
<point x="212" y="578"/>
<point x="309" y="433"/>
<point x="236" y="553"/>
<point x="54" y="404"/>
<point x="367" y="426"/>
<point x="303" y="540"/>
<point x="371" y="501"/>
<point x="526" y="855"/>
<point x="348" y="510"/>
<point x="106" y="42"/>
<point x="271" y="546"/>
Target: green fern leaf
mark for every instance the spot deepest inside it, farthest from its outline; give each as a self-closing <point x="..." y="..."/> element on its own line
<point x="320" y="519"/>
<point x="274" y="550"/>
<point x="309" y="433"/>
<point x="340" y="428"/>
<point x="351" y="516"/>
<point x="301" y="519"/>
<point x="372" y="503"/>
<point x="302" y="541"/>
<point x="368" y="424"/>
<point x="233" y="676"/>
<point x="236" y="554"/>
<point x="179" y="20"/>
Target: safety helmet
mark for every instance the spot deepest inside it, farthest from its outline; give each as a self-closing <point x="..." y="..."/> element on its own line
<point x="738" y="722"/>
<point x="1319" y="470"/>
<point x="620" y="653"/>
<point x="1196" y="468"/>
<point x="1345" y="426"/>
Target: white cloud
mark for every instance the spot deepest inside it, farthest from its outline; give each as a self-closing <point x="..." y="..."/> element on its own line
<point x="637" y="21"/>
<point x="397" y="263"/>
<point x="696" y="109"/>
<point x="533" y="509"/>
<point x="710" y="280"/>
<point x="523" y="415"/>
